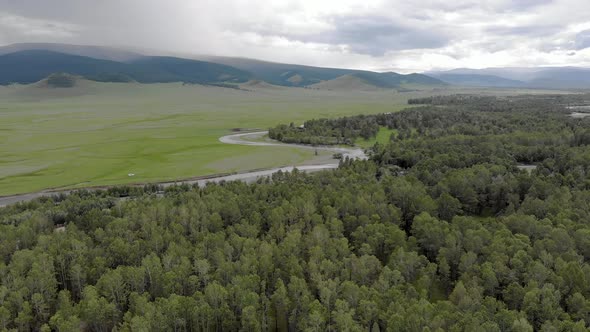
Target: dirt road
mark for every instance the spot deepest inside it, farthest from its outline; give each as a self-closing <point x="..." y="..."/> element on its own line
<point x="253" y="138"/>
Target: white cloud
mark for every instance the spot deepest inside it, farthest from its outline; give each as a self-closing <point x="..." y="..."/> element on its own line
<point x="16" y="27"/>
<point x="370" y="34"/>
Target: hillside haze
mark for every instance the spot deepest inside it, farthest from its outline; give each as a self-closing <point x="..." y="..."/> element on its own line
<point x="29" y="63"/>
<point x="97" y="52"/>
<point x="539" y="77"/>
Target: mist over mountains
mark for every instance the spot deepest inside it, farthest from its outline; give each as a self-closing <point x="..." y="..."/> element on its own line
<point x="540" y="77"/>
<point x="32" y="62"/>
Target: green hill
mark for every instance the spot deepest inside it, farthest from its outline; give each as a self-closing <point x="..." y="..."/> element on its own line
<point x="185" y="70"/>
<point x="97" y="52"/>
<point x="31" y="65"/>
<point x="298" y="75"/>
<point x="34" y="65"/>
<point x="365" y="80"/>
<point x="281" y="73"/>
<point x="59" y="80"/>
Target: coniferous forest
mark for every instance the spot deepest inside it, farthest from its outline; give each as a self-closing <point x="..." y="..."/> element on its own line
<point x="474" y="217"/>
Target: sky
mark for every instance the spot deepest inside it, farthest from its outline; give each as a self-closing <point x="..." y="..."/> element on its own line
<point x="381" y="35"/>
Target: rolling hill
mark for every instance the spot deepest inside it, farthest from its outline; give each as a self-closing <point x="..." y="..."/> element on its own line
<point x="59" y="80"/>
<point x="363" y="80"/>
<point x="97" y="52"/>
<point x="479" y="80"/>
<point x="346" y="82"/>
<point x="280" y="73"/>
<point x="29" y="63"/>
<point x="539" y="77"/>
<point x="33" y="65"/>
<point x="185" y="70"/>
<point x="298" y="75"/>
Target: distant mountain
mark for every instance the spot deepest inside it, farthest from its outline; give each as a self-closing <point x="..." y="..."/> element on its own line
<point x="395" y="80"/>
<point x="298" y="75"/>
<point x="260" y="85"/>
<point x="33" y="65"/>
<point x="281" y="73"/>
<point x="97" y="52"/>
<point x="478" y="80"/>
<point x="561" y="77"/>
<point x="185" y="70"/>
<point x="348" y="82"/>
<point x="368" y="81"/>
<point x="28" y="63"/>
<point x="540" y="77"/>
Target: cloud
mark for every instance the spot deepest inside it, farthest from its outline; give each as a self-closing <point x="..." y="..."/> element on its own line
<point x="582" y="40"/>
<point x="15" y="28"/>
<point x="367" y="34"/>
<point x="526" y="31"/>
<point x="377" y="35"/>
<point x="371" y="35"/>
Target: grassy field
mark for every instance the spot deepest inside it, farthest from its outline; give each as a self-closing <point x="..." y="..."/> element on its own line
<point x="382" y="137"/>
<point x="98" y="134"/>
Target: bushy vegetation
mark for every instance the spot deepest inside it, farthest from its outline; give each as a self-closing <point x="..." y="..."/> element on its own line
<point x="61" y="80"/>
<point x="439" y="231"/>
<point x="327" y="131"/>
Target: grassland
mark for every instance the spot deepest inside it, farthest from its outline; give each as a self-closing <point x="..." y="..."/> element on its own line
<point x="382" y="137"/>
<point x="98" y="134"/>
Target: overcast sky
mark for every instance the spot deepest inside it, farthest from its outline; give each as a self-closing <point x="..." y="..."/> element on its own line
<point x="398" y="35"/>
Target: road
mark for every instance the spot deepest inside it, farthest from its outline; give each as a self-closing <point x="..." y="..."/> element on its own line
<point x="255" y="138"/>
<point x="252" y="138"/>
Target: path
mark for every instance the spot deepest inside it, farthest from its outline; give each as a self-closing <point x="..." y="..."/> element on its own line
<point x="250" y="176"/>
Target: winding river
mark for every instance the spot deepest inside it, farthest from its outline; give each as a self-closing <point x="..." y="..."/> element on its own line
<point x="252" y="139"/>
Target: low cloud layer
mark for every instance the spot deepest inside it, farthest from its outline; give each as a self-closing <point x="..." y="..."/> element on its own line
<point x="369" y="34"/>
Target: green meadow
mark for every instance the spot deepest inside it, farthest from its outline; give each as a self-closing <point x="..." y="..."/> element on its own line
<point x="382" y="137"/>
<point x="98" y="134"/>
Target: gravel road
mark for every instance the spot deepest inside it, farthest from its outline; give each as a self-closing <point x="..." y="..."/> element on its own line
<point x="250" y="176"/>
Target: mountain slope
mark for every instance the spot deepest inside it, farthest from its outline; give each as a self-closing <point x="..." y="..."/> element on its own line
<point x="540" y="77"/>
<point x="299" y="75"/>
<point x="59" y="81"/>
<point x="280" y="73"/>
<point x="349" y="82"/>
<point x="479" y="80"/>
<point x="97" y="52"/>
<point x="21" y="63"/>
<point x="34" y="65"/>
<point x="364" y="80"/>
<point x="185" y="70"/>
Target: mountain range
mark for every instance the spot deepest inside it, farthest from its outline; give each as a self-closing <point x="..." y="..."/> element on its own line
<point x="539" y="77"/>
<point x="30" y="63"/>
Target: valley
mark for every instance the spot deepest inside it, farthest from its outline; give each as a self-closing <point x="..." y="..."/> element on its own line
<point x="97" y="133"/>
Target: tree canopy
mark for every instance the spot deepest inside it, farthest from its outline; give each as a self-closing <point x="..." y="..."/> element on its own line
<point x="441" y="230"/>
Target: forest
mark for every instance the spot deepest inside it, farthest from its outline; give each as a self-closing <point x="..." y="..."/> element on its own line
<point x="327" y="131"/>
<point x="474" y="217"/>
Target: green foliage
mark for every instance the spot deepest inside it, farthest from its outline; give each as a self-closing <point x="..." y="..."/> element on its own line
<point x="103" y="132"/>
<point x="61" y="80"/>
<point x="377" y="245"/>
<point x="327" y="131"/>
